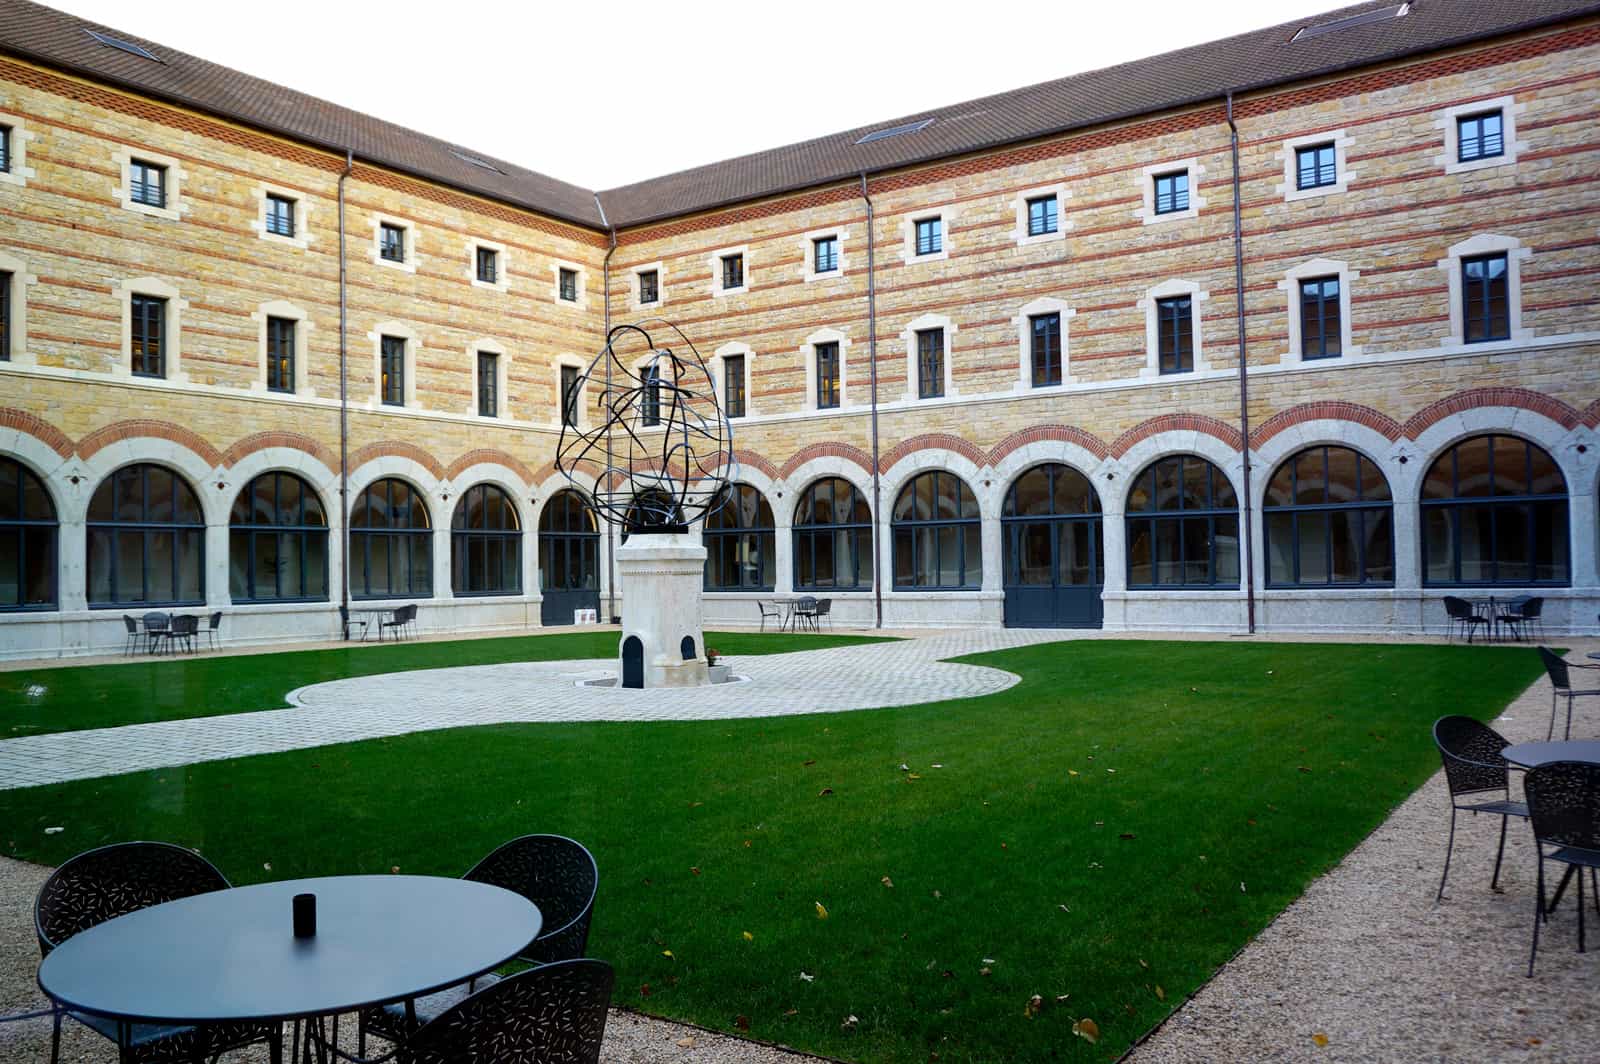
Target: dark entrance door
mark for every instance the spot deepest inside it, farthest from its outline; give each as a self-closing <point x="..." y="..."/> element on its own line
<point x="1054" y="560"/>
<point x="569" y="558"/>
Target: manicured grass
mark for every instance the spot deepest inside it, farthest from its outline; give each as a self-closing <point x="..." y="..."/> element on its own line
<point x="39" y="701"/>
<point x="1112" y="829"/>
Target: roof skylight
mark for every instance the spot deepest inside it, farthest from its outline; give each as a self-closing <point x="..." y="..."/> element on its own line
<point x="1349" y="22"/>
<point x="895" y="131"/>
<point x="475" y="161"/>
<point x="124" y="46"/>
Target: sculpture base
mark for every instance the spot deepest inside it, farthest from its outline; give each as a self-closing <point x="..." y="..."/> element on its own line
<point x="662" y="644"/>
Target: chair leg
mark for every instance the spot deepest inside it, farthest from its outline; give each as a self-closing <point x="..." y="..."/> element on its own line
<point x="1538" y="914"/>
<point x="1550" y="733"/>
<point x="1568" y="733"/>
<point x="275" y="1045"/>
<point x="1449" y="846"/>
<point x="1499" y="855"/>
<point x="55" y="1038"/>
<point x="1580" y="910"/>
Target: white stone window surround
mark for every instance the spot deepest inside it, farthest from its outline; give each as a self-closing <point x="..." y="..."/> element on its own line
<point x="302" y="216"/>
<point x="413" y="340"/>
<point x="1291" y="168"/>
<point x="1063" y="222"/>
<point x="582" y="409"/>
<point x="1028" y="311"/>
<point x="172" y="184"/>
<point x="908" y="232"/>
<point x="1152" y="333"/>
<point x="412" y="259"/>
<point x="808" y="356"/>
<point x="582" y="275"/>
<point x="20" y="171"/>
<point x="1290" y="285"/>
<point x="661" y="285"/>
<point x="908" y="337"/>
<point x="715" y="263"/>
<point x="172" y="338"/>
<point x="1509" y="109"/>
<point x="489" y="346"/>
<point x="1147" y="177"/>
<point x="502" y="265"/>
<point x="19" y="355"/>
<point x="719" y="380"/>
<point x="280" y="308"/>
<point x="808" y="254"/>
<point x="1486" y="244"/>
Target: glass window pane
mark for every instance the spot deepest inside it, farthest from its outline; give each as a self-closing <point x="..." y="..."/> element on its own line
<point x="1280" y="549"/>
<point x="1344" y="475"/>
<point x="1550" y="541"/>
<point x="1168" y="550"/>
<point x="1313" y="547"/>
<point x="1310" y="484"/>
<point x="1510" y="458"/>
<point x="163" y="548"/>
<point x="972" y="558"/>
<point x="1472" y="468"/>
<point x="1378" y="530"/>
<point x="1141" y="547"/>
<point x="130" y="567"/>
<point x="1344" y="546"/>
<point x="949" y="559"/>
<point x="1226" y="548"/>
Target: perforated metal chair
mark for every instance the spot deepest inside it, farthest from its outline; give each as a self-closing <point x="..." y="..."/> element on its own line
<point x="1475" y="770"/>
<point x="555" y="1014"/>
<point x="769" y="611"/>
<point x="1564" y="808"/>
<point x="135" y="635"/>
<point x="156" y="625"/>
<point x="100" y="884"/>
<point x="1460" y="616"/>
<point x="213" y="622"/>
<point x="805" y="612"/>
<point x="1559" y="669"/>
<point x="824" y="613"/>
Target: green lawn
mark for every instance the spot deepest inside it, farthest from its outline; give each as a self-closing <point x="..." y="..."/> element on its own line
<point x="1112" y="829"/>
<point x="39" y="701"/>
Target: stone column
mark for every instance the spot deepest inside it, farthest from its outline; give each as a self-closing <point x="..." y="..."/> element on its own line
<point x="662" y="574"/>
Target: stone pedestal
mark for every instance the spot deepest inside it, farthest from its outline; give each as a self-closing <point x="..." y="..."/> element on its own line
<point x="662" y="643"/>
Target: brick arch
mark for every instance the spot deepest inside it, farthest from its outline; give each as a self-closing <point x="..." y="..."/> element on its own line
<point x="548" y="470"/>
<point x="1177" y="423"/>
<point x="489" y="456"/>
<point x="147" y="428"/>
<point x="1051" y="433"/>
<point x="396" y="449"/>
<point x="756" y="461"/>
<point x="260" y="441"/>
<point x="930" y="441"/>
<point x="827" y="450"/>
<point x="38" y="428"/>
<point x="1325" y="410"/>
<point x="1475" y="398"/>
<point x="1591" y="414"/>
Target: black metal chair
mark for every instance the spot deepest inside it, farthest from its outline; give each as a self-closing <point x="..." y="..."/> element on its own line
<point x="805" y="613"/>
<point x="346" y="623"/>
<point x="213" y="622"/>
<point x="135" y="635"/>
<point x="769" y="611"/>
<point x="554" y="872"/>
<point x="824" y="613"/>
<point x="183" y="632"/>
<point x="1473" y="767"/>
<point x="156" y="625"/>
<point x="1461" y="616"/>
<point x="400" y="621"/>
<point x="1523" y="616"/>
<point x="100" y="884"/>
<point x="1559" y="670"/>
<point x="1564" y="808"/>
<point x="555" y="1014"/>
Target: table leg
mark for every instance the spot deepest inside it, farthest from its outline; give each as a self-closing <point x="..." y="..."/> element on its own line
<point x="1561" y="888"/>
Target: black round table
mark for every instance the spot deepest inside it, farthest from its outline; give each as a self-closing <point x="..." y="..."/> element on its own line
<point x="232" y="954"/>
<point x="1531" y="755"/>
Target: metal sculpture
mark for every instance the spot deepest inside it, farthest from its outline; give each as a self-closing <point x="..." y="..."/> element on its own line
<point x="662" y="445"/>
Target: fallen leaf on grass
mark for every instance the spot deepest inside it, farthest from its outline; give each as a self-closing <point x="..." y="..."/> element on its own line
<point x="1072" y="772"/>
<point x="1161" y="995"/>
<point x="1142" y="964"/>
<point x="694" y="871"/>
<point x="822" y="912"/>
<point x="824" y="792"/>
<point x="748" y="937"/>
<point x="849" y="1023"/>
<point x="1087" y="1029"/>
<point x="54" y="831"/>
<point x="1033" y="1006"/>
<point x="1063" y="908"/>
<point x="985" y="970"/>
<point x="742" y="1022"/>
<point x="807" y="977"/>
<point x="886" y="881"/>
<point x="912" y="776"/>
<point x="668" y="953"/>
<point x="644" y="990"/>
<point x="809" y="763"/>
<point x="1127" y="835"/>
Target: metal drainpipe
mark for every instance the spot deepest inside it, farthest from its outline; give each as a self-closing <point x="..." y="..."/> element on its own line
<point x="605" y="271"/>
<point x="1248" y="560"/>
<point x="872" y="356"/>
<point x="344" y="411"/>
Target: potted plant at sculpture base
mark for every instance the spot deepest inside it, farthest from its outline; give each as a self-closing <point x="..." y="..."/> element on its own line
<point x="717" y="668"/>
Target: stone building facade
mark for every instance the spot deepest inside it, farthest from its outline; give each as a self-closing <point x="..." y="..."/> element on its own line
<point x="1020" y="404"/>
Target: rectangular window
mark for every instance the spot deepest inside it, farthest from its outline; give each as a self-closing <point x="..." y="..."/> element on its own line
<point x="280" y="215"/>
<point x="280" y="355"/>
<point x="649" y="286"/>
<point x="650" y="407"/>
<point x="569" y="285"/>
<point x="147" y="183"/>
<point x="733" y="385"/>
<point x="1042" y="216"/>
<point x="1045" y="330"/>
<point x="394" y="370"/>
<point x="732" y="271"/>
<point x="392" y="242"/>
<point x="827" y="375"/>
<point x="488" y="265"/>
<point x="1175" y="334"/>
<point x="5" y="316"/>
<point x="488" y="384"/>
<point x="5" y="149"/>
<point x="1172" y="192"/>
<point x="930" y="363"/>
<point x="930" y="236"/>
<point x="825" y="254"/>
<point x="1485" y="290"/>
<point x="148" y="340"/>
<point x="1316" y="167"/>
<point x="1480" y="136"/>
<point x="1319" y="318"/>
<point x="569" y="396"/>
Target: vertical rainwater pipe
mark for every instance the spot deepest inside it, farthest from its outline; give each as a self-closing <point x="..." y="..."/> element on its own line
<point x="344" y="414"/>
<point x="872" y="361"/>
<point x="605" y="281"/>
<point x="1247" y="562"/>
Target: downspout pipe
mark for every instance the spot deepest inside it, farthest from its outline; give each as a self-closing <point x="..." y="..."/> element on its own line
<point x="344" y="409"/>
<point x="1247" y="561"/>
<point x="872" y="360"/>
<point x="605" y="274"/>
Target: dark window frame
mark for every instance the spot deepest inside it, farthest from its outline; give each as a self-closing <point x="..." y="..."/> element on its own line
<point x="568" y="527"/>
<point x="825" y="254"/>
<point x="1158" y="520"/>
<point x="364" y="537"/>
<point x="308" y="537"/>
<point x="487" y="261"/>
<point x="904" y="536"/>
<point x="745" y="537"/>
<point x="1474" y="142"/>
<point x="1481" y="321"/>
<point x="28" y="528"/>
<point x="507" y="539"/>
<point x="930" y="363"/>
<point x="733" y="271"/>
<point x="650" y="398"/>
<point x="1302" y="514"/>
<point x="281" y="355"/>
<point x="280" y="215"/>
<point x="807" y="534"/>
<point x="488" y="383"/>
<point x="5" y="148"/>
<point x="147" y="336"/>
<point x="1456" y="507"/>
<point x="652" y="293"/>
<point x="733" y="398"/>
<point x="567" y="284"/>
<point x="391" y="242"/>
<point x="392" y="370"/>
<point x="570" y="388"/>
<point x="148" y="529"/>
<point x="929" y="235"/>
<point x="1323" y="171"/>
<point x="1044" y="349"/>
<point x="6" y="314"/>
<point x="1175" y="335"/>
<point x="1044" y="215"/>
<point x="147" y="183"/>
<point x="1176" y="198"/>
<point x="1325" y="312"/>
<point x="826" y="356"/>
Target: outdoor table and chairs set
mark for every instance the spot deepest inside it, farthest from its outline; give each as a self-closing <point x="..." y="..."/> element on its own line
<point x="1494" y="619"/>
<point x="147" y="944"/>
<point x="157" y="632"/>
<point x="793" y="614"/>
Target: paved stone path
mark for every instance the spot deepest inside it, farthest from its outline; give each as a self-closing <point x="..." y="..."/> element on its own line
<point x="866" y="676"/>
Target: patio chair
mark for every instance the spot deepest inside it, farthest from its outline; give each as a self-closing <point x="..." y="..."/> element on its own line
<point x="1474" y="769"/>
<point x="554" y="1015"/>
<point x="769" y="611"/>
<point x="1564" y="808"/>
<point x="156" y="625"/>
<point x="1460" y="615"/>
<point x="97" y="885"/>
<point x="805" y="613"/>
<point x="183" y="632"/>
<point x="213" y="622"/>
<point x="346" y="623"/>
<point x="399" y="621"/>
<point x="1559" y="670"/>
<point x="1523" y="615"/>
<point x="555" y="873"/>
<point x="824" y="613"/>
<point x="135" y="635"/>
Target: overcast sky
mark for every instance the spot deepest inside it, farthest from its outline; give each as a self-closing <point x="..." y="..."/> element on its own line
<point x="606" y="93"/>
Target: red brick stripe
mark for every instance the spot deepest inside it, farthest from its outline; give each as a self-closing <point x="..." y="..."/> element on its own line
<point x="1325" y="410"/>
<point x="260" y="441"/>
<point x="1055" y="433"/>
<point x="827" y="450"/>
<point x="491" y="456"/>
<point x="397" y="449"/>
<point x="1177" y="423"/>
<point x="38" y="428"/>
<point x="1477" y="398"/>
<point x="929" y="441"/>
<point x="147" y="428"/>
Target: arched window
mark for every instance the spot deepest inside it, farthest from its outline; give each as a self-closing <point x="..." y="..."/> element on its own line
<point x="391" y="542"/>
<point x="569" y="546"/>
<point x="938" y="542"/>
<point x="1494" y="512"/>
<point x="741" y="545"/>
<point x="278" y="542"/>
<point x="1183" y="526"/>
<point x="485" y="543"/>
<point x="27" y="540"/>
<point x="147" y="540"/>
<point x="832" y="538"/>
<point x="1329" y="520"/>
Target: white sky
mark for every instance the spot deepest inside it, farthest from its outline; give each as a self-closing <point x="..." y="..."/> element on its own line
<point x="605" y="92"/>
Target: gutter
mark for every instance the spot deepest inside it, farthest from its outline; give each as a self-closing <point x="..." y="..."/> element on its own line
<point x="1247" y="558"/>
<point x="605" y="271"/>
<point x="344" y="410"/>
<point x="872" y="355"/>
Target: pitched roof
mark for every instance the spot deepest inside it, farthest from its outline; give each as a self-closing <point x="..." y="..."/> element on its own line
<point x="1253" y="60"/>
